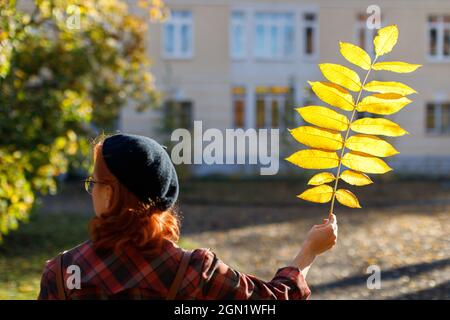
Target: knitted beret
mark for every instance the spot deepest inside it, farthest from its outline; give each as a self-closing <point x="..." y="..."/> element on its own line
<point x="144" y="167"/>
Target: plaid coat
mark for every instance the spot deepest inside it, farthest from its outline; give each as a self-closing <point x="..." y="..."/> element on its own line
<point x="133" y="275"/>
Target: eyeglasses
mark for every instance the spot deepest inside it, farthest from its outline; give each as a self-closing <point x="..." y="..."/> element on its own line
<point x="89" y="184"/>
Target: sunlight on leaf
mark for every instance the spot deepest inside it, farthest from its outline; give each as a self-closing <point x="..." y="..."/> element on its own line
<point x="355" y="178"/>
<point x="385" y="40"/>
<point x="333" y="95"/>
<point x="379" y="126"/>
<point x="320" y="194"/>
<point x="321" y="178"/>
<point x="355" y="55"/>
<point x="347" y="198"/>
<point x="314" y="159"/>
<point x="324" y="117"/>
<point x="396" y="66"/>
<point x="318" y="138"/>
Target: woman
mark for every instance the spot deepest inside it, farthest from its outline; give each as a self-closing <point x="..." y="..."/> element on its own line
<point x="132" y="253"/>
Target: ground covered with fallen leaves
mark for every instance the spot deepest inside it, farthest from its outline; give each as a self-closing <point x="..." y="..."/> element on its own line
<point x="403" y="228"/>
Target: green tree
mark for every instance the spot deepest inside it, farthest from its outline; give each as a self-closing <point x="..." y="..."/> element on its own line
<point x="66" y="69"/>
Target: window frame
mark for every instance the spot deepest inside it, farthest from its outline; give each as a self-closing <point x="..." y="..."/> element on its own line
<point x="315" y="26"/>
<point x="244" y="24"/>
<point x="235" y="97"/>
<point x="438" y="129"/>
<point x="178" y="112"/>
<point x="281" y="24"/>
<point x="178" y="54"/>
<point x="440" y="26"/>
<point x="268" y="98"/>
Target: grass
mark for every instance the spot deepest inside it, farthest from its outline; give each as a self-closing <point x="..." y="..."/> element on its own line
<point x="24" y="252"/>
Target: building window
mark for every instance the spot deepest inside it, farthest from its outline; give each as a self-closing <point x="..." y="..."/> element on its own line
<point x="178" y="114"/>
<point x="439" y="37"/>
<point x="177" y="35"/>
<point x="309" y="34"/>
<point x="239" y="107"/>
<point x="274" y="35"/>
<point x="273" y="106"/>
<point x="364" y="35"/>
<point x="238" y="35"/>
<point x="438" y="118"/>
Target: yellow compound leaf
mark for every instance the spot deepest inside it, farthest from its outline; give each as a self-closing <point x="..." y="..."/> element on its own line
<point x="321" y="178"/>
<point x="320" y="194"/>
<point x="383" y="103"/>
<point x="324" y="117"/>
<point x="372" y="145"/>
<point x="396" y="66"/>
<point x="341" y="75"/>
<point x="355" y="55"/>
<point x="333" y="95"/>
<point x="389" y="87"/>
<point x="318" y="138"/>
<point x="385" y="40"/>
<point x="355" y="178"/>
<point x="365" y="148"/>
<point x="365" y="163"/>
<point x="378" y="126"/>
<point x="314" y="159"/>
<point x="347" y="198"/>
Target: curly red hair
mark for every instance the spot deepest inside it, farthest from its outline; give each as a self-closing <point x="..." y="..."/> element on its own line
<point x="130" y="221"/>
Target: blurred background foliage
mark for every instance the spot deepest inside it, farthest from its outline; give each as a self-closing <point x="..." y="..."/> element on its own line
<point x="66" y="69"/>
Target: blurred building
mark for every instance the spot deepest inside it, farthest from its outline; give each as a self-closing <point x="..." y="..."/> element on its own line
<point x="245" y="64"/>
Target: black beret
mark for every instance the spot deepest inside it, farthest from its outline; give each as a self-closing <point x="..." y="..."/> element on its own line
<point x="144" y="167"/>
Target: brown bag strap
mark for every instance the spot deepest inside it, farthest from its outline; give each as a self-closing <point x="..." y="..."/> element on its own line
<point x="60" y="277"/>
<point x="179" y="276"/>
<point x="202" y="280"/>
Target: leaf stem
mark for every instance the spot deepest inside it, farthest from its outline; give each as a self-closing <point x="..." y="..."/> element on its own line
<point x="346" y="137"/>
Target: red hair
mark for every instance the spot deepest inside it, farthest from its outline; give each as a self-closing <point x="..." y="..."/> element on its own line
<point x="130" y="221"/>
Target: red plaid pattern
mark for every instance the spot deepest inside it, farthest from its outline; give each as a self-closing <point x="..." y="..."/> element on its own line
<point x="134" y="275"/>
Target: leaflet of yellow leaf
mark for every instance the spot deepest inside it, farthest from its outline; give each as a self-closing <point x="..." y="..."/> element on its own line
<point x="365" y="163"/>
<point x="341" y="75"/>
<point x="383" y="103"/>
<point x="320" y="194"/>
<point x="324" y="117"/>
<point x="385" y="40"/>
<point x="378" y="126"/>
<point x="318" y="138"/>
<point x="321" y="178"/>
<point x="396" y="66"/>
<point x="347" y="198"/>
<point x="372" y="145"/>
<point x="333" y="95"/>
<point x="355" y="178"/>
<point x="355" y="55"/>
<point x="389" y="87"/>
<point x="314" y="159"/>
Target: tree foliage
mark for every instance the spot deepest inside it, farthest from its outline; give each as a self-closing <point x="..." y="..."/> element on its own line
<point x="66" y="69"/>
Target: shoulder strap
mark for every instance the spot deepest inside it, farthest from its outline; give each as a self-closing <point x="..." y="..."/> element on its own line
<point x="60" y="277"/>
<point x="202" y="280"/>
<point x="179" y="276"/>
